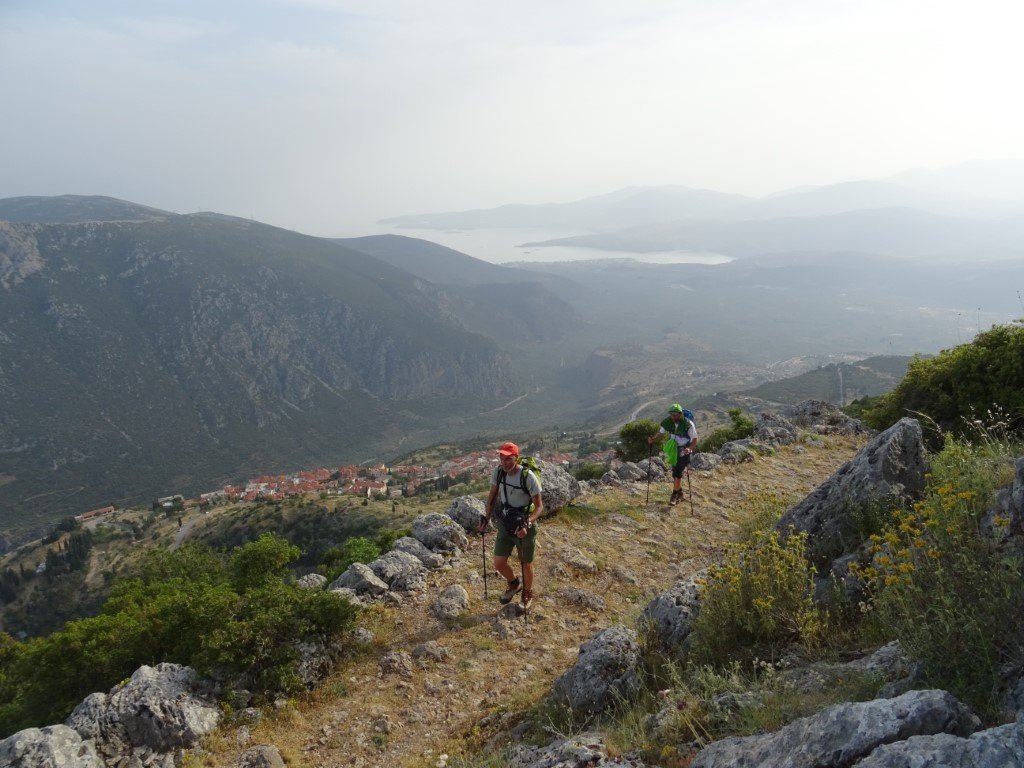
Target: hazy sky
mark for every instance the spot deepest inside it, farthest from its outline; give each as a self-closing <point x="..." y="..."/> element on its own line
<point x="325" y="115"/>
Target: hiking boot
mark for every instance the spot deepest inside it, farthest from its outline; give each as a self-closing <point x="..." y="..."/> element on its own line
<point x="527" y="599"/>
<point x="674" y="498"/>
<point x="513" y="587"/>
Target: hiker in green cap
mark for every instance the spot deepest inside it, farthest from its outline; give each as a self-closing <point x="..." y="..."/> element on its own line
<point x="515" y="501"/>
<point x="680" y="427"/>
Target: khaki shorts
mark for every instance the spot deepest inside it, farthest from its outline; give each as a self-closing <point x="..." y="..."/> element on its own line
<point x="506" y="542"/>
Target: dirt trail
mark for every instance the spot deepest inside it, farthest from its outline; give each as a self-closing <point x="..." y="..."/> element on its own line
<point x="495" y="668"/>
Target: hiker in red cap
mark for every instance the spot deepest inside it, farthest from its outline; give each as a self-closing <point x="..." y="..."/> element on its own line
<point x="515" y="501"/>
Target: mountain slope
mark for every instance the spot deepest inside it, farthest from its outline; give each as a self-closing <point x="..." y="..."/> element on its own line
<point x="871" y="376"/>
<point x="516" y="307"/>
<point x="142" y="358"/>
<point x="66" y="209"/>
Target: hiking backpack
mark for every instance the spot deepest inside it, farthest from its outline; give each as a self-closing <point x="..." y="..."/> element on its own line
<point x="526" y="463"/>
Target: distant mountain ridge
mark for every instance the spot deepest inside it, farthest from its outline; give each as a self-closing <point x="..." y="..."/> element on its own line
<point x="975" y="210"/>
<point x="982" y="188"/>
<point x="65" y="209"/>
<point x="627" y="207"/>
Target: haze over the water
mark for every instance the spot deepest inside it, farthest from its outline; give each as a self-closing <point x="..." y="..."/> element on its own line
<point x="327" y="115"/>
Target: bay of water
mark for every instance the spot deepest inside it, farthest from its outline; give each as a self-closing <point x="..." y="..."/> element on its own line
<point x="501" y="246"/>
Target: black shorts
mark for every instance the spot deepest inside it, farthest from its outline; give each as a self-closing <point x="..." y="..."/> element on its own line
<point x="681" y="463"/>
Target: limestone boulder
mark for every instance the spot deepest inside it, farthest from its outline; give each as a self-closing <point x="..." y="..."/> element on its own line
<point x="401" y="571"/>
<point x="888" y="470"/>
<point x="655" y="466"/>
<point x="611" y="477"/>
<point x="669" y="616"/>
<point x="705" y="462"/>
<point x="451" y="603"/>
<point x="559" y="487"/>
<point x="888" y="663"/>
<point x="585" y="750"/>
<point x="158" y="710"/>
<point x="631" y="472"/>
<point x="56" y="746"/>
<point x="774" y="430"/>
<point x="607" y="669"/>
<point x="583" y="598"/>
<point x="737" y="452"/>
<point x="439" y="533"/>
<point x="1005" y="521"/>
<point x="312" y="581"/>
<point x="361" y="579"/>
<point x="415" y="547"/>
<point x="260" y="756"/>
<point x="839" y="736"/>
<point x="466" y="511"/>
<point x="824" y="418"/>
<point x="995" y="748"/>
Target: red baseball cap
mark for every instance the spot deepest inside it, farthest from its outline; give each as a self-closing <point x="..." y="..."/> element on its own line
<point x="509" y="449"/>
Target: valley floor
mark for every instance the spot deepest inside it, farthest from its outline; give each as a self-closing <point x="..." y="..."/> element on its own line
<point x="498" y="666"/>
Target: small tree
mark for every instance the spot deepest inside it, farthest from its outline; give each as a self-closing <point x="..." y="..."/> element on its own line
<point x="357" y="549"/>
<point x="634" y="438"/>
<point x="740" y="426"/>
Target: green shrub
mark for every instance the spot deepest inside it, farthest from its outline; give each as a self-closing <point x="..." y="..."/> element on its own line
<point x="354" y="550"/>
<point x="945" y="590"/>
<point x="633" y="436"/>
<point x="235" y="615"/>
<point x="961" y="385"/>
<point x="589" y="470"/>
<point x="740" y="426"/>
<point x="758" y="601"/>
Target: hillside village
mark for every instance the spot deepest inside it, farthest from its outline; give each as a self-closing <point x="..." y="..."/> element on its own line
<point x="364" y="481"/>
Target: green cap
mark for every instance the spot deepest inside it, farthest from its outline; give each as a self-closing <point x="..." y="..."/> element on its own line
<point x="675" y="408"/>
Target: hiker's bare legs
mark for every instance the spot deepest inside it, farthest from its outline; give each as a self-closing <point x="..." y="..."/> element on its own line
<point x="528" y="577"/>
<point x="501" y="566"/>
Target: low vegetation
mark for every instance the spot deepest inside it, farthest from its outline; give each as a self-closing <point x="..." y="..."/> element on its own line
<point x="234" y="617"/>
<point x="962" y="389"/>
<point x="739" y="427"/>
<point x="940" y="582"/>
<point x="633" y="445"/>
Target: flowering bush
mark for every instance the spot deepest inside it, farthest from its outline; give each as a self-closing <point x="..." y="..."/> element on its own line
<point x="948" y="593"/>
<point x="758" y="600"/>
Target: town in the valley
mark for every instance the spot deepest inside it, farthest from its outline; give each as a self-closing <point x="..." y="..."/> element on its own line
<point x="364" y="481"/>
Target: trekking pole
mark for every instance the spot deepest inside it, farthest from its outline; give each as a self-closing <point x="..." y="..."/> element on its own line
<point x="650" y="453"/>
<point x="483" y="549"/>
<point x="522" y="573"/>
